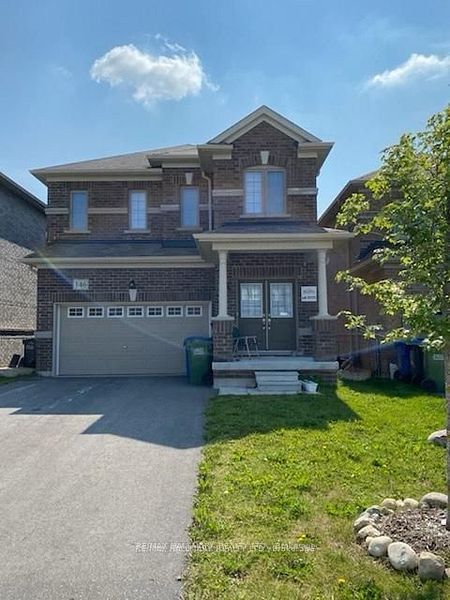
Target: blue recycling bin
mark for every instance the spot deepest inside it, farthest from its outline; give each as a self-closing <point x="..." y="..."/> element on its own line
<point x="403" y="352"/>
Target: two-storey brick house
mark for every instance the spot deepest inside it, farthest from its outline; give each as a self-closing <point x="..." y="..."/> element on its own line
<point x="358" y="258"/>
<point x="22" y="229"/>
<point x="148" y="248"/>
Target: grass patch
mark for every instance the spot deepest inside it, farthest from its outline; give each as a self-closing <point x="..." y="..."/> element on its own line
<point x="296" y="470"/>
<point x="5" y="380"/>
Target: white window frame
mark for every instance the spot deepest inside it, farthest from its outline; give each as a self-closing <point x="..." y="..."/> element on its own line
<point x="131" y="308"/>
<point x="259" y="285"/>
<point x="86" y="216"/>
<point x="159" y="308"/>
<point x="77" y="308"/>
<point x="100" y="316"/>
<point x="175" y="306"/>
<point x="115" y="316"/>
<point x="130" y="210"/>
<point x="264" y="190"/>
<point x="290" y="285"/>
<point x="195" y="225"/>
<point x="194" y="307"/>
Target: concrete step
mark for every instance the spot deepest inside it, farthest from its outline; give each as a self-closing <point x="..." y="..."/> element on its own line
<point x="279" y="387"/>
<point x="277" y="381"/>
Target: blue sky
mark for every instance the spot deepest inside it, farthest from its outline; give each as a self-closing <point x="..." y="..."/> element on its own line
<point x="91" y="78"/>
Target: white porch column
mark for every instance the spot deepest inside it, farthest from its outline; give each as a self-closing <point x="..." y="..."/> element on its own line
<point x="322" y="283"/>
<point x="223" y="291"/>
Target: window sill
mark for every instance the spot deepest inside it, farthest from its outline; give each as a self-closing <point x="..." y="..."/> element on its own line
<point x="265" y="216"/>
<point x="75" y="231"/>
<point x="137" y="231"/>
<point x="193" y="229"/>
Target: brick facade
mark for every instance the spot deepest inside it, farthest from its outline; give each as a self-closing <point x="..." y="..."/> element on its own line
<point x="163" y="203"/>
<point x="370" y="354"/>
<point x="108" y="220"/>
<point x="22" y="229"/>
<point x="154" y="285"/>
<point x="298" y="267"/>
<point x="300" y="173"/>
<point x="222" y="339"/>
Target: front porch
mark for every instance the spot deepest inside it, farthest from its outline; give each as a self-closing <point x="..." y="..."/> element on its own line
<point x="272" y="290"/>
<point x="239" y="375"/>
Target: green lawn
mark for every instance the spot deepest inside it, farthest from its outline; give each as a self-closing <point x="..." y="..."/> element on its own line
<point x="297" y="470"/>
<point x="5" y="380"/>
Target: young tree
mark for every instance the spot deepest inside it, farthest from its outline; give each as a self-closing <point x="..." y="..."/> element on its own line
<point x="409" y="207"/>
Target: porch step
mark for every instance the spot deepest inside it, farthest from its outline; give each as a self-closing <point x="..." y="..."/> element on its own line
<point x="277" y="381"/>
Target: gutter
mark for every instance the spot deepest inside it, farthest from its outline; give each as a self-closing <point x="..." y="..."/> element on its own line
<point x="208" y="179"/>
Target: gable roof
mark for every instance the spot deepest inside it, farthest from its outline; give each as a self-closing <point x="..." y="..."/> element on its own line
<point x="144" y="162"/>
<point x="17" y="189"/>
<point x="137" y="162"/>
<point x="328" y="217"/>
<point x="264" y="114"/>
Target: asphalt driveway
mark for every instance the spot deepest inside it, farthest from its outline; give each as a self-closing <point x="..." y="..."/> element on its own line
<point x="97" y="478"/>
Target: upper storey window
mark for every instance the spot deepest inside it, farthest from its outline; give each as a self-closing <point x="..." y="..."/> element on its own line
<point x="138" y="210"/>
<point x="264" y="192"/>
<point x="189" y="207"/>
<point x="78" y="211"/>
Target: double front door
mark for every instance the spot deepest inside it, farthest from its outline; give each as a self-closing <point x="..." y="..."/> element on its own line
<point x="267" y="311"/>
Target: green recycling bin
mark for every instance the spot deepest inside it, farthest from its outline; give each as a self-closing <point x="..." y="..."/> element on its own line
<point x="434" y="369"/>
<point x="198" y="359"/>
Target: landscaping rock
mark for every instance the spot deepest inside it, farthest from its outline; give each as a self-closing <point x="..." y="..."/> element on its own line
<point x="410" y="503"/>
<point x="389" y="503"/>
<point x="374" y="510"/>
<point x="447" y="573"/>
<point x="439" y="438"/>
<point x="435" y="499"/>
<point x="366" y="531"/>
<point x="400" y="504"/>
<point x="378" y="546"/>
<point x="367" y="541"/>
<point x="402" y="557"/>
<point x="362" y="521"/>
<point x="431" y="566"/>
<point x="387" y="511"/>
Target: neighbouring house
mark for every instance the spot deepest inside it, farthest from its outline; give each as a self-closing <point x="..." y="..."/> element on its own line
<point x="217" y="239"/>
<point x="358" y="258"/>
<point x="22" y="228"/>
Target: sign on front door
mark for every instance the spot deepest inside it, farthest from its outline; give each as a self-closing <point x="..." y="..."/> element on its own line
<point x="309" y="293"/>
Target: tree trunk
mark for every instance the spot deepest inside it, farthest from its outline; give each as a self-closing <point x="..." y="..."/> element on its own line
<point x="447" y="401"/>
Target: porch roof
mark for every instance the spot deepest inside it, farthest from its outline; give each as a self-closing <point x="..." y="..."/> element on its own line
<point x="269" y="235"/>
<point x="268" y="225"/>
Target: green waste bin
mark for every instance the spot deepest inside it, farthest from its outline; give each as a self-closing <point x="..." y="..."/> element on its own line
<point x="434" y="369"/>
<point x="198" y="359"/>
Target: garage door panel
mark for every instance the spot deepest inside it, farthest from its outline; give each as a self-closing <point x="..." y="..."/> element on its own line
<point x="126" y="345"/>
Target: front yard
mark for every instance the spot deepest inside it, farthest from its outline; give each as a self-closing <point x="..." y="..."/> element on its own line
<point x="296" y="471"/>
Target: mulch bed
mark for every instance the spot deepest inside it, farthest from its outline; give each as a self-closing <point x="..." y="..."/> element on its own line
<point x="422" y="529"/>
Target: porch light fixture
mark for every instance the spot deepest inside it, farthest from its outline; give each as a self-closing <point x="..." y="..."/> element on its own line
<point x="264" y="157"/>
<point x="188" y="177"/>
<point x="132" y="291"/>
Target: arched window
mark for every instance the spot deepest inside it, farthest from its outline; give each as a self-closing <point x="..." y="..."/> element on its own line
<point x="264" y="191"/>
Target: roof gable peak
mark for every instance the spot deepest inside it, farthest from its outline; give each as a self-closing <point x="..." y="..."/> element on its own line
<point x="267" y="115"/>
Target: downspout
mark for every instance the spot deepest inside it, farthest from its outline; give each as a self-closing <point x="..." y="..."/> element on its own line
<point x="208" y="179"/>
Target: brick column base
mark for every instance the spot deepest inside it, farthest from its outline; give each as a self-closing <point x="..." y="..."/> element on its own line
<point x="325" y="339"/>
<point x="44" y="355"/>
<point x="222" y="333"/>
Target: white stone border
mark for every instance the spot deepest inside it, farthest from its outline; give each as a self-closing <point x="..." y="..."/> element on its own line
<point x="400" y="555"/>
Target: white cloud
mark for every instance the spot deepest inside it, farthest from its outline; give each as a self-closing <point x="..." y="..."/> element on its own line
<point x="416" y="67"/>
<point x="152" y="78"/>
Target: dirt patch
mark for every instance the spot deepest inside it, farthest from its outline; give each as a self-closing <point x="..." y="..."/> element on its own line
<point x="422" y="529"/>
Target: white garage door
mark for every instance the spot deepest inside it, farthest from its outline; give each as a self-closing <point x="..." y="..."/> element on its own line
<point x="127" y="339"/>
